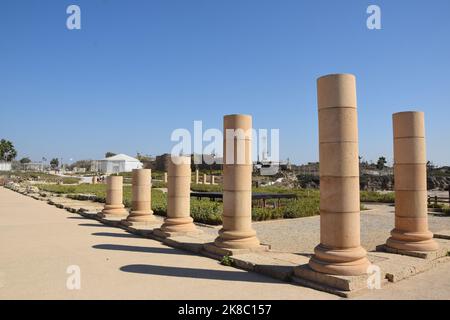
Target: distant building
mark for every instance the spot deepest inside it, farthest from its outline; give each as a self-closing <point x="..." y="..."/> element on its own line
<point x="269" y="168"/>
<point x="79" y="170"/>
<point x="5" y="166"/>
<point x="33" y="166"/>
<point x="115" y="164"/>
<point x="206" y="162"/>
<point x="162" y="162"/>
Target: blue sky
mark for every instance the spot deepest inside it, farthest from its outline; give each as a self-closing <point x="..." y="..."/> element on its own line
<point x="139" y="69"/>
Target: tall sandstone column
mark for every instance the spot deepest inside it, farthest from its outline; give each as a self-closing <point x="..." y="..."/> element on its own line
<point x="141" y="204"/>
<point x="339" y="251"/>
<point x="179" y="196"/>
<point x="114" y="198"/>
<point x="411" y="220"/>
<point x="196" y="176"/>
<point x="237" y="231"/>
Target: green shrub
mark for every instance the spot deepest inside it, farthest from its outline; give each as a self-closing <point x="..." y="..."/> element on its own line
<point x="206" y="187"/>
<point x="206" y="211"/>
<point x="262" y="214"/>
<point x="302" y="207"/>
<point x="126" y="174"/>
<point x="374" y="196"/>
<point x="446" y="209"/>
<point x="67" y="180"/>
<point x="85" y="188"/>
<point x="40" y="176"/>
<point x="159" y="184"/>
<point x="274" y="189"/>
<point x="159" y="202"/>
<point x="227" y="261"/>
<point x="158" y="175"/>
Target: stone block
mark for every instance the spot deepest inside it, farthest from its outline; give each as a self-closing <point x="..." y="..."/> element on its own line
<point x="212" y="248"/>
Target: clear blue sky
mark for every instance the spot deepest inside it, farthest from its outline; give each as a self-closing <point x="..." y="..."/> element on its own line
<point x="139" y="69"/>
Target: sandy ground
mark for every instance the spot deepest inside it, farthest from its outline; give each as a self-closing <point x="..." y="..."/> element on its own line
<point x="38" y="243"/>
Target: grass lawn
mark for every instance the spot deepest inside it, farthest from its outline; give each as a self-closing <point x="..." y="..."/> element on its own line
<point x="38" y="176"/>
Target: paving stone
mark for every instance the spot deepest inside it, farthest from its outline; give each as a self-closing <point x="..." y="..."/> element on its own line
<point x="144" y="230"/>
<point x="343" y="283"/>
<point x="274" y="264"/>
<point x="210" y="247"/>
<point x="165" y="234"/>
<point x="193" y="243"/>
<point x="398" y="267"/>
<point x="444" y="234"/>
<point x="444" y="248"/>
<point x="110" y="221"/>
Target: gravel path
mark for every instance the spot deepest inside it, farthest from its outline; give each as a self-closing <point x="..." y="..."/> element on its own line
<point x="302" y="235"/>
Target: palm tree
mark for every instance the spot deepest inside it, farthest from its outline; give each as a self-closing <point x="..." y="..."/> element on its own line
<point x="7" y="150"/>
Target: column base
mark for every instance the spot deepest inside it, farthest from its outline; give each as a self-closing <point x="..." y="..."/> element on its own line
<point x="139" y="224"/>
<point x="344" y="262"/>
<point x="112" y="215"/>
<point x="178" y="225"/>
<point x="113" y="211"/>
<point x="412" y="241"/>
<point x="140" y="217"/>
<point x="237" y="239"/>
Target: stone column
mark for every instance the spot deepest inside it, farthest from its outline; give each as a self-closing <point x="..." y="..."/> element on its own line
<point x="114" y="207"/>
<point x="141" y="203"/>
<point x="179" y="197"/>
<point x="205" y="179"/>
<point x="339" y="251"/>
<point x="212" y="180"/>
<point x="237" y="231"/>
<point x="196" y="177"/>
<point x="165" y="177"/>
<point x="411" y="209"/>
<point x="94" y="179"/>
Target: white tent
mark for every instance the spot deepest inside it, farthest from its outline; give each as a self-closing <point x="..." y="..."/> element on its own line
<point x="115" y="164"/>
<point x="5" y="166"/>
